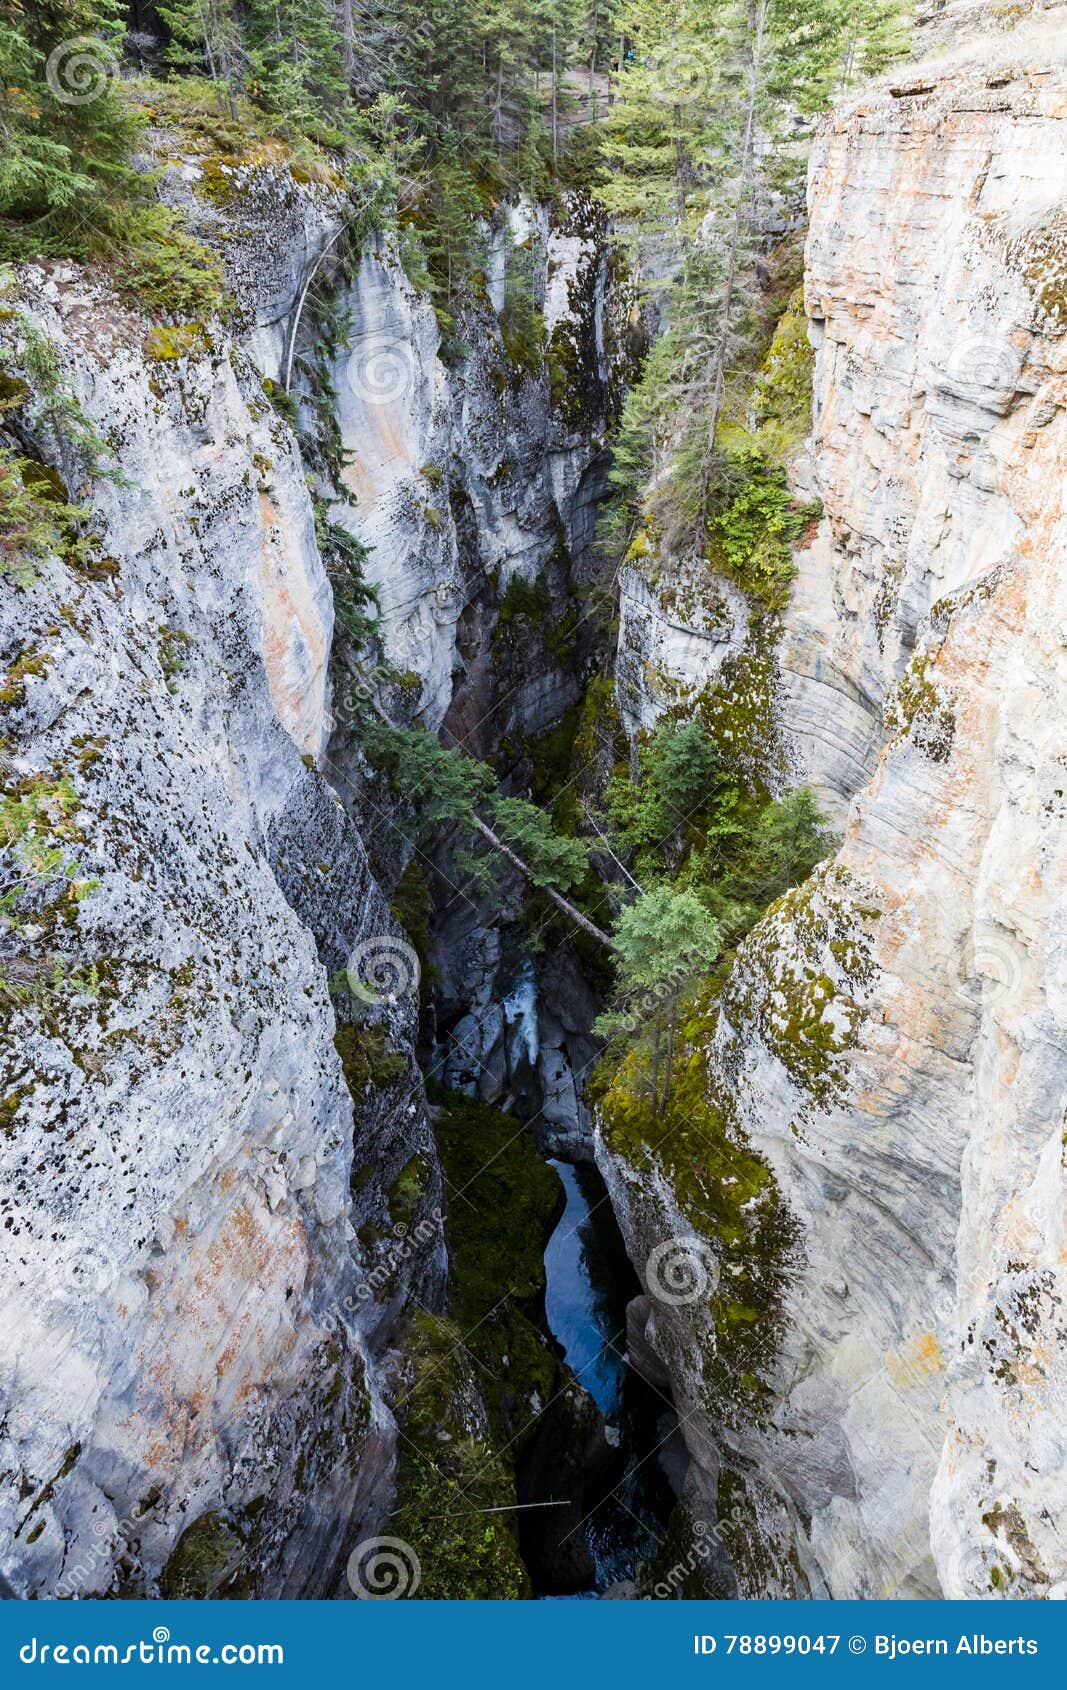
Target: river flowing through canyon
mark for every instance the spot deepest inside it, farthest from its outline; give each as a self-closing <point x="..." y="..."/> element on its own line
<point x="590" y="1280"/>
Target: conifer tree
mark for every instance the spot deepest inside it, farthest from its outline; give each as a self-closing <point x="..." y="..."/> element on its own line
<point x="66" y="181"/>
<point x="205" y="37"/>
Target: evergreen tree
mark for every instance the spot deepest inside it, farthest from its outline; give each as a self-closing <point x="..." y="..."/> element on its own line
<point x="717" y="149"/>
<point x="443" y="784"/>
<point x="66" y="182"/>
<point x="205" y="37"/>
<point x="664" y="942"/>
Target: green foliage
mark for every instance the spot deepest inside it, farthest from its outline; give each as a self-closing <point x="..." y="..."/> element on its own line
<point x="712" y="853"/>
<point x="753" y="523"/>
<point x="684" y="800"/>
<point x="782" y="392"/>
<point x="26" y="980"/>
<point x="663" y="936"/>
<point x="52" y="402"/>
<point x="678" y="775"/>
<point x="41" y="886"/>
<point x="443" y="784"/>
<point x="164" y="270"/>
<point x="493" y="1343"/>
<point x="522" y="326"/>
<point x="749" y="860"/>
<point x="552" y="859"/>
<point x="355" y="599"/>
<point x="490" y="1158"/>
<point x="34" y="828"/>
<point x="67" y="186"/>
<point x="831" y="41"/>
<point x="690" y="817"/>
<point x="321" y="441"/>
<point x="529" y="601"/>
<point x="728" y="1195"/>
<point x="465" y="1553"/>
<point x="36" y="519"/>
<point x="706" y="79"/>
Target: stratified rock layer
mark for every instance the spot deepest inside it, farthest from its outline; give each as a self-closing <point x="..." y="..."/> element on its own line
<point x="893" y="1037"/>
<point x="190" y="1351"/>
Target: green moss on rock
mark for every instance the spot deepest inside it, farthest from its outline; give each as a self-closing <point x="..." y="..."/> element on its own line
<point x="479" y="1378"/>
<point x="205" y="1561"/>
<point x="724" y="1191"/>
<point x="368" y="1058"/>
<point x="171" y="342"/>
<point x="802" y="978"/>
<point x="922" y="710"/>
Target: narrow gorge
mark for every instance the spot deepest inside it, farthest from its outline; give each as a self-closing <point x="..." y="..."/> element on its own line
<point x="534" y="1057"/>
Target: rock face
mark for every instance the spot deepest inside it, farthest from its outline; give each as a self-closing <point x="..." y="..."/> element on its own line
<point x="191" y="1363"/>
<point x="480" y="475"/>
<point x="475" y="482"/>
<point x="892" y="1040"/>
<point x="215" y="1213"/>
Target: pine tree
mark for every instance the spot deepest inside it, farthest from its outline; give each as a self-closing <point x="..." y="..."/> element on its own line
<point x="700" y="171"/>
<point x="206" y="37"/>
<point x="664" y="942"/>
<point x="66" y="182"/>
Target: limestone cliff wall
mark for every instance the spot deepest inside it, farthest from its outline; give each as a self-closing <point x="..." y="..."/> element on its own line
<point x="475" y="470"/>
<point x="190" y="1355"/>
<point x="211" y="1226"/>
<point x="892" y="1039"/>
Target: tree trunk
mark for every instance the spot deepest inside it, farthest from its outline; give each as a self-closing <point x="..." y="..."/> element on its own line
<point x="672" y="1024"/>
<point x="513" y="857"/>
<point x="348" y="39"/>
<point x="558" y="899"/>
<point x="555" y="103"/>
<point x="757" y="19"/>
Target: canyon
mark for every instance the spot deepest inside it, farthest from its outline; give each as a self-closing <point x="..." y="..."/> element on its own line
<point x="228" y="1153"/>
